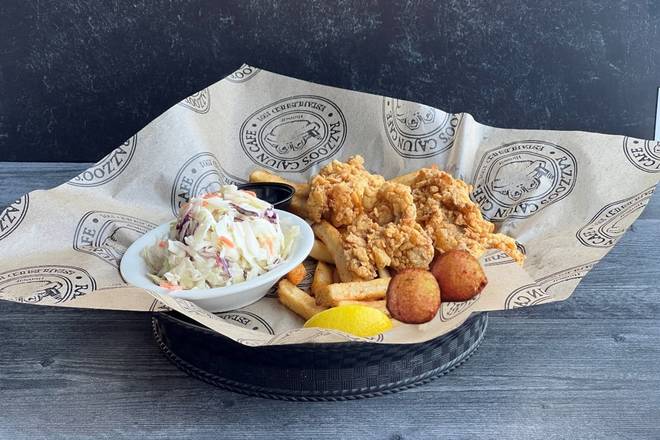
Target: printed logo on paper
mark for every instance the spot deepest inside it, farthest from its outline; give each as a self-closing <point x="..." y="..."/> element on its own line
<point x="243" y="74"/>
<point x="157" y="306"/>
<point x="313" y="334"/>
<point x="293" y="134"/>
<point x="189" y="308"/>
<point x="449" y="310"/>
<point x="13" y="215"/>
<point x="416" y="130"/>
<point x="519" y="179"/>
<point x="247" y="320"/>
<point x="610" y="223"/>
<point x="199" y="175"/>
<point x="644" y="154"/>
<point x="499" y="257"/>
<point x="109" y="167"/>
<point x="199" y="102"/>
<point x="546" y="287"/>
<point x="107" y="235"/>
<point x="48" y="284"/>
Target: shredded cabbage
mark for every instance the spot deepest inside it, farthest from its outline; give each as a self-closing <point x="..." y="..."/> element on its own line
<point x="219" y="239"/>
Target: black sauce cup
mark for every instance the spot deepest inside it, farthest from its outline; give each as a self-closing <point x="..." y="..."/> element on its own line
<point x="277" y="194"/>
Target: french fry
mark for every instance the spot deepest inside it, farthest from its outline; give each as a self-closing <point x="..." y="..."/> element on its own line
<point x="297" y="274"/>
<point x="298" y="205"/>
<point x="320" y="252"/>
<point x="371" y="290"/>
<point x="322" y="277"/>
<point x="297" y="300"/>
<point x="330" y="236"/>
<point x="384" y="273"/>
<point x="379" y="304"/>
<point x="302" y="189"/>
<point x="405" y="179"/>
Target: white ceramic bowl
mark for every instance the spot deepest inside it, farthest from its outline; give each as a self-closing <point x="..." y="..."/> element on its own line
<point x="220" y="299"/>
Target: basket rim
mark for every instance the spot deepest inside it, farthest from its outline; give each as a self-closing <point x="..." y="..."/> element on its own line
<point x="168" y="315"/>
<point x="320" y="396"/>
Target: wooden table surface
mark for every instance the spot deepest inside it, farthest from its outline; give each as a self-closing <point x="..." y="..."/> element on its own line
<point x="588" y="367"/>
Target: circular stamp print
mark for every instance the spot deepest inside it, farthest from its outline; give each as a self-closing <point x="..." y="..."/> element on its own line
<point x="199" y="102"/>
<point x="546" y="287"/>
<point x="519" y="179"/>
<point x="497" y="258"/>
<point x="47" y="284"/>
<point x="643" y="154"/>
<point x="449" y="310"/>
<point x="525" y="296"/>
<point x="610" y="223"/>
<point x="107" y="168"/>
<point x="243" y="74"/>
<point x="416" y="130"/>
<point x="200" y="174"/>
<point x="248" y="320"/>
<point x="107" y="235"/>
<point x="293" y="134"/>
<point x="13" y="215"/>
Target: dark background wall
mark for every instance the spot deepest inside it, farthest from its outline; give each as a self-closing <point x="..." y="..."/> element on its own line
<point x="79" y="77"/>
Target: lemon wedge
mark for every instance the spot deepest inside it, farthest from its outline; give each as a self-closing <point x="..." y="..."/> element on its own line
<point x="354" y="319"/>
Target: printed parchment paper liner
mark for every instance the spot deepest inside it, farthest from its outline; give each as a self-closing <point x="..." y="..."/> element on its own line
<point x="567" y="197"/>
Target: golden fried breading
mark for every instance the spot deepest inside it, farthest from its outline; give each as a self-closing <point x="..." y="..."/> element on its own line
<point x="390" y="224"/>
<point x="359" y="255"/>
<point x="459" y="274"/>
<point x="342" y="191"/>
<point x="413" y="296"/>
<point x="394" y="203"/>
<point x="453" y="221"/>
<point x="406" y="243"/>
<point x="370" y="246"/>
<point x="376" y="218"/>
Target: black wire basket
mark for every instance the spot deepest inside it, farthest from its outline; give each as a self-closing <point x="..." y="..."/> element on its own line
<point x="312" y="372"/>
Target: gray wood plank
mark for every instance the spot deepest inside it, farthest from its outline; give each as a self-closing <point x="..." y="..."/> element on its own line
<point x="587" y="379"/>
<point x="18" y="178"/>
<point x="588" y="367"/>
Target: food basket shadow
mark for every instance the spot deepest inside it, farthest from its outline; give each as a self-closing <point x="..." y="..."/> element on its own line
<point x="312" y="372"/>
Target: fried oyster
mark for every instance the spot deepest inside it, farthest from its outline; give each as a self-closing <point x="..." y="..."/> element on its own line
<point x="375" y="218"/>
<point x="389" y="224"/>
<point x="340" y="192"/>
<point x="452" y="219"/>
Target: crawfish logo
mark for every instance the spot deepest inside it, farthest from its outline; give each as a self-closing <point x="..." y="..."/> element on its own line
<point x="293" y="135"/>
<point x="210" y="187"/>
<point x="531" y="176"/>
<point x="53" y="284"/>
<point x="414" y="116"/>
<point x="51" y="289"/>
<point x="107" y="235"/>
<point x="519" y="179"/>
<point x="416" y="130"/>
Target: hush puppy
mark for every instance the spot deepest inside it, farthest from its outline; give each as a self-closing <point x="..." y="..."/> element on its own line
<point x="413" y="296"/>
<point x="460" y="275"/>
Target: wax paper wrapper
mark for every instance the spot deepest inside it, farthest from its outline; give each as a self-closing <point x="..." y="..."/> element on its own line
<point x="567" y="197"/>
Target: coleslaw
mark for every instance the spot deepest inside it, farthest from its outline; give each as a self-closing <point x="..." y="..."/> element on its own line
<point x="219" y="239"/>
